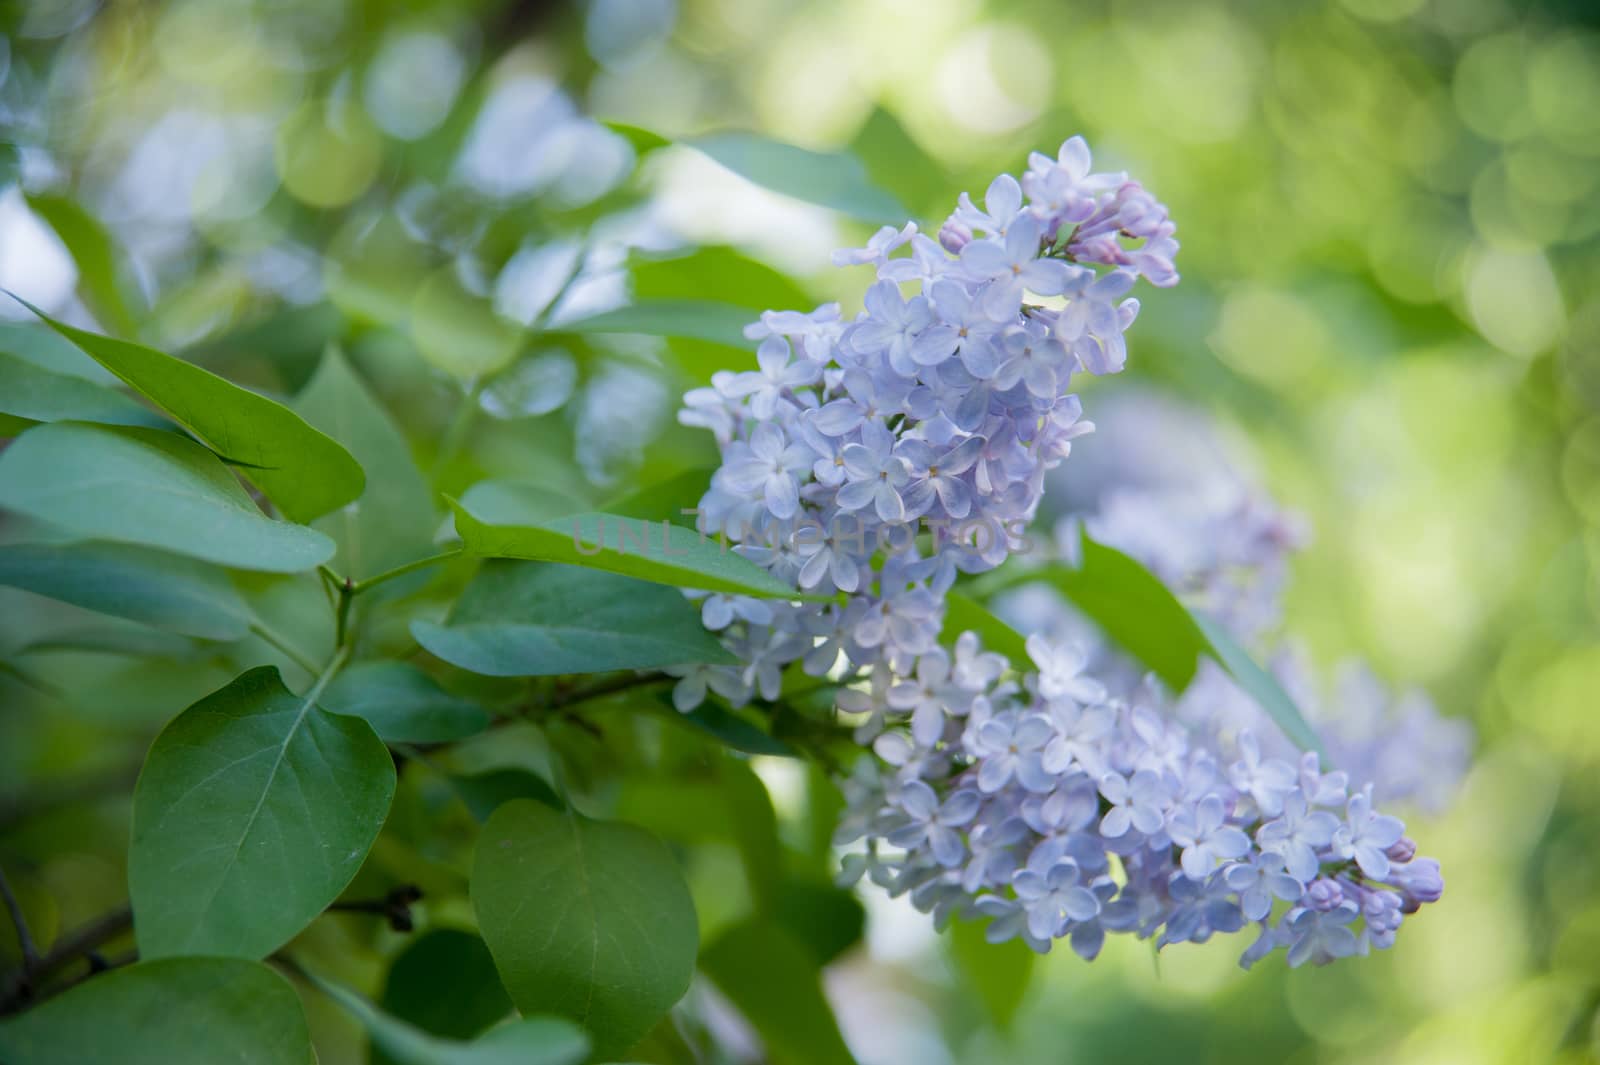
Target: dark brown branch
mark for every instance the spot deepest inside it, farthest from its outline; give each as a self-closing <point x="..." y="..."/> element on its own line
<point x="21" y="986"/>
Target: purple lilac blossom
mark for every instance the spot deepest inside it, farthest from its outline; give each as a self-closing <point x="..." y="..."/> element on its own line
<point x="1058" y="800"/>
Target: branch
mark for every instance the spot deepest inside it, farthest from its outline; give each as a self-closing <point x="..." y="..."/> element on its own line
<point x="20" y="986"/>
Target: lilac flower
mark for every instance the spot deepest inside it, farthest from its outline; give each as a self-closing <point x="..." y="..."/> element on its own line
<point x="1258" y="880"/>
<point x="1296" y="835"/>
<point x="1062" y="672"/>
<point x="1008" y="746"/>
<point x="1053" y="897"/>
<point x="935" y="823"/>
<point x="778" y="376"/>
<point x="924" y="698"/>
<point x="1138" y="802"/>
<point x="1366" y="835"/>
<point x="1014" y="268"/>
<point x="902" y="330"/>
<point x="874" y="475"/>
<point x="1205" y="839"/>
<point x="770" y="469"/>
<point x="1266" y="781"/>
<point x="1320" y="936"/>
<point x="879" y="247"/>
<point x="936" y="476"/>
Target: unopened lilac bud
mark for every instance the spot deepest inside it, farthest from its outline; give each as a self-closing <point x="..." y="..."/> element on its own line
<point x="953" y="236"/>
<point x="1324" y="895"/>
<point x="1419" y="879"/>
<point x="1402" y="850"/>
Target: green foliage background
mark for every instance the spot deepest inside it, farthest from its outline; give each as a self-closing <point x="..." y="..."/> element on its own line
<point x="1390" y="213"/>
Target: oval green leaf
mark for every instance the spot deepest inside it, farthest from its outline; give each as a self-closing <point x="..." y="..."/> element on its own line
<point x="522" y="619"/>
<point x="145" y="486"/>
<point x="154" y="587"/>
<point x="301" y="470"/>
<point x="172" y="1011"/>
<point x="403" y="704"/>
<point x="964" y="614"/>
<point x="652" y="551"/>
<point x="588" y="920"/>
<point x="254" y="811"/>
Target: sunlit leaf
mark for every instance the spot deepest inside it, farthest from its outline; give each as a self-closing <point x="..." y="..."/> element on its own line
<point x="301" y="470"/>
<point x="145" y="486"/>
<point x="96" y="255"/>
<point x="403" y="704"/>
<point x="836" y="180"/>
<point x="588" y="920"/>
<point x="735" y="278"/>
<point x="651" y="551"/>
<point x="521" y="619"/>
<point x="170" y="1011"/>
<point x="721" y="323"/>
<point x="153" y="587"/>
<point x="254" y="811"/>
<point x="393" y="521"/>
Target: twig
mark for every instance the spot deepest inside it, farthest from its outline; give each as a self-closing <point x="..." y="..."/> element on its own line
<point x="30" y="952"/>
<point x="21" y="985"/>
<point x="396" y="906"/>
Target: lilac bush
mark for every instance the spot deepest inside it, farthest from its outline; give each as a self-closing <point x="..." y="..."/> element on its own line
<point x="871" y="461"/>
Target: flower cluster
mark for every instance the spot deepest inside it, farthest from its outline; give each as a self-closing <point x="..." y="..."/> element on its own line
<point x="881" y="457"/>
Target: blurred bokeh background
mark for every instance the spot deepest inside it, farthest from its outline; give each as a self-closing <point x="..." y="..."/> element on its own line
<point x="1390" y="216"/>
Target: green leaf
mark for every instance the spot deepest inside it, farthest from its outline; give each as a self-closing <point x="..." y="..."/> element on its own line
<point x="48" y="350"/>
<point x="173" y="1011"/>
<point x="254" y="811"/>
<point x="650" y="551"/>
<point x="962" y="614"/>
<point x="666" y="500"/>
<point x="732" y="275"/>
<point x="825" y="919"/>
<point x="444" y="982"/>
<point x="403" y="704"/>
<point x="1137" y="611"/>
<point x="754" y="823"/>
<point x="459" y="332"/>
<point x="301" y="470"/>
<point x="1261" y="686"/>
<point x="1142" y="616"/>
<point x="897" y="162"/>
<point x="40" y="395"/>
<point x="730" y="727"/>
<point x="153" y="587"/>
<point x="393" y="521"/>
<point x="997" y="973"/>
<point x="642" y="140"/>
<point x="486" y="792"/>
<point x="589" y="920"/>
<point x="501" y="502"/>
<point x="535" y="1041"/>
<point x="145" y="486"/>
<point x="836" y="180"/>
<point x="96" y="255"/>
<point x="777" y="984"/>
<point x="522" y="619"/>
<point x="720" y="323"/>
